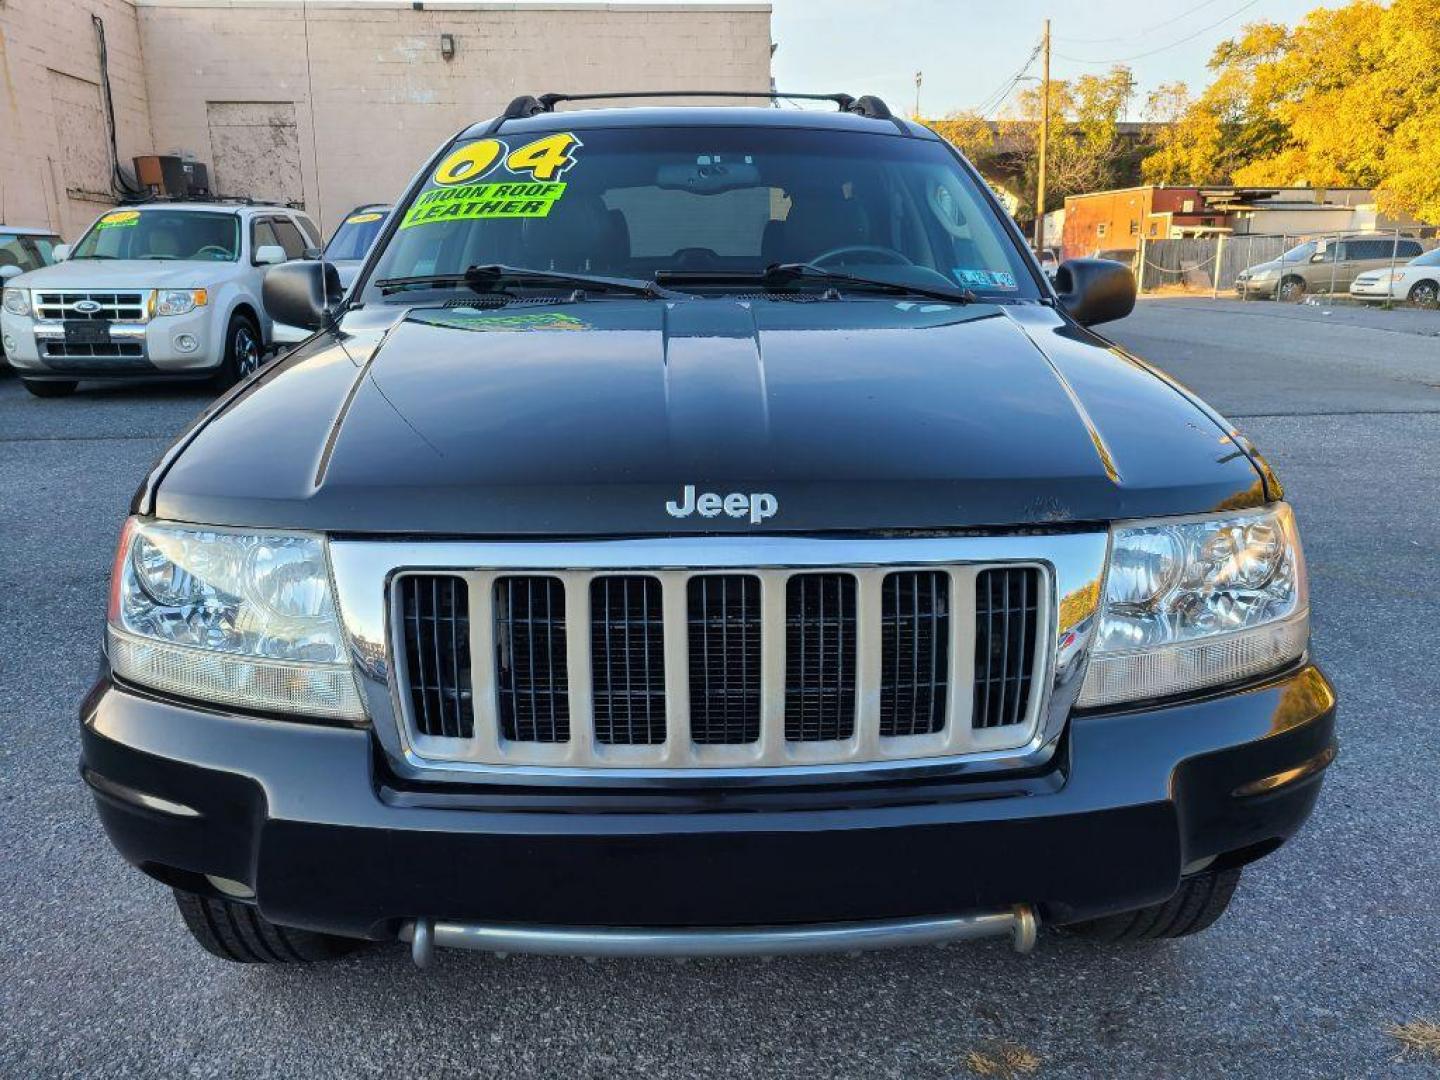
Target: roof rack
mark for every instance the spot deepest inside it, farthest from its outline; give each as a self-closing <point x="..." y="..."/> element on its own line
<point x="236" y="200"/>
<point x="866" y="105"/>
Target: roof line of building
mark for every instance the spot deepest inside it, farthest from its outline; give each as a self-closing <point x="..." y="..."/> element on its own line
<point x="448" y="6"/>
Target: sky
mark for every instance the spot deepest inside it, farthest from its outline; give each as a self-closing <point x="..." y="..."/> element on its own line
<point x="968" y="51"/>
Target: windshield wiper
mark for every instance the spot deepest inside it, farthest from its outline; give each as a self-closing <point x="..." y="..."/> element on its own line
<point x="491" y="277"/>
<point x="781" y="274"/>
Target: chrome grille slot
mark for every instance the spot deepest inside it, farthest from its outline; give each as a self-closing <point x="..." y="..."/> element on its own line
<point x="113" y="306"/>
<point x="531" y="669"/>
<point x="915" y="652"/>
<point x="724" y="623"/>
<point x="1006" y="609"/>
<point x="116" y="350"/>
<point x="436" y="618"/>
<point x="631" y="657"/>
<point x="627" y="648"/>
<point x="820" y="658"/>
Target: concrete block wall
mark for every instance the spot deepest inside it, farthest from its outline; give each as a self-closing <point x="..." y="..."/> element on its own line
<point x="49" y="92"/>
<point x="373" y="96"/>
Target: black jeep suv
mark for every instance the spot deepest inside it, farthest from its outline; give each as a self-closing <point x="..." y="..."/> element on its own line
<point x="703" y="531"/>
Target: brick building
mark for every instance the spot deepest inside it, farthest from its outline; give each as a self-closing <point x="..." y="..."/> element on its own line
<point x="324" y="104"/>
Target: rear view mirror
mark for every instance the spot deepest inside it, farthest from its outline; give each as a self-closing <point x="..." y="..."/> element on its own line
<point x="708" y="178"/>
<point x="1095" y="290"/>
<point x="302" y="293"/>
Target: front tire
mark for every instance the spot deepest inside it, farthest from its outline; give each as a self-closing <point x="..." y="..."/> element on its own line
<point x="1199" y="901"/>
<point x="1425" y="294"/>
<point x="1292" y="290"/>
<point x="47" y="388"/>
<point x="244" y="352"/>
<point x="240" y="934"/>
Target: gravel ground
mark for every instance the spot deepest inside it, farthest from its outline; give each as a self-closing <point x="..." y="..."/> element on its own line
<point x="1328" y="941"/>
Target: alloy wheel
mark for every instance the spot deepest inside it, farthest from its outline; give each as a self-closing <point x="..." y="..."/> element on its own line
<point x="247" y="351"/>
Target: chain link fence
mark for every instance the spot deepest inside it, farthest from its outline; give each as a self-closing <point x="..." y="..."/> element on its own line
<point x="1309" y="264"/>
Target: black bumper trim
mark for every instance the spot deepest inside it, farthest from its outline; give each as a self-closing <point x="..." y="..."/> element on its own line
<point x="299" y="813"/>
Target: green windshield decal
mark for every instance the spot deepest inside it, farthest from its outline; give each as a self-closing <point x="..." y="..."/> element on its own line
<point x="490" y="321"/>
<point x="458" y="195"/>
<point x="484" y="201"/>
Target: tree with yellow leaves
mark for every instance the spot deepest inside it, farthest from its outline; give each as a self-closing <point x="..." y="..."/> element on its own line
<point x="1346" y="98"/>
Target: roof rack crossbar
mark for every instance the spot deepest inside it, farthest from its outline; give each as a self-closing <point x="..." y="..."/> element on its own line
<point x="526" y="105"/>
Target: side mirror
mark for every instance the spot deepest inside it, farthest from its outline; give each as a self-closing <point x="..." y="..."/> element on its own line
<point x="60" y="252"/>
<point x="1095" y="290"/>
<point x="301" y="293"/>
<point x="269" y="255"/>
<point x="9" y="270"/>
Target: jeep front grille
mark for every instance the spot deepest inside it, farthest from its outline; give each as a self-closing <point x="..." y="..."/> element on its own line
<point x="437" y="654"/>
<point x="531" y="669"/>
<point x="723" y="615"/>
<point x="698" y="669"/>
<point x="627" y="660"/>
<point x="1006" y="605"/>
<point x="819" y="658"/>
<point x="113" y="306"/>
<point x="915" y="652"/>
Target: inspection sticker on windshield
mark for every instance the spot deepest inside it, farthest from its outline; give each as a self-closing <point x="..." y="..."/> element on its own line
<point x="118" y="219"/>
<point x="985" y="279"/>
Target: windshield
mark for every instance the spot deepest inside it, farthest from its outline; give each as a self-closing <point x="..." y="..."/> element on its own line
<point x="355" y="235"/>
<point x="1430" y="258"/>
<point x="162" y="234"/>
<point x="1299" y="253"/>
<point x="700" y="201"/>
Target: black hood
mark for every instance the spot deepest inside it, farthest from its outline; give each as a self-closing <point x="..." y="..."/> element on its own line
<point x="587" y="418"/>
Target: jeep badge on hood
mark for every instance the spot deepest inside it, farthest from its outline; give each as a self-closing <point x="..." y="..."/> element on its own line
<point x="759" y="505"/>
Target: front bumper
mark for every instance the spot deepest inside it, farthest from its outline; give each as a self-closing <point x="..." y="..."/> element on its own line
<point x="37" y="348"/>
<point x="308" y="817"/>
<point x="1374" y="290"/>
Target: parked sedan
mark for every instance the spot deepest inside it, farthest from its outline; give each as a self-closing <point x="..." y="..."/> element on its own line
<point x="1417" y="281"/>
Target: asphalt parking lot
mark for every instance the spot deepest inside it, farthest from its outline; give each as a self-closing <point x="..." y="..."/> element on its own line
<point x="1328" y="942"/>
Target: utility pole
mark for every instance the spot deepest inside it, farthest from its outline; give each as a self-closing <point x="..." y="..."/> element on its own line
<point x="919" y="78"/>
<point x="1044" y="143"/>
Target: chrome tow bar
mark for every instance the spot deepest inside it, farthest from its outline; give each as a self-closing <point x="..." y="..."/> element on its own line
<point x="1021" y="923"/>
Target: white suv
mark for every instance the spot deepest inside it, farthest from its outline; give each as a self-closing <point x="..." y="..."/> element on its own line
<point x="166" y="288"/>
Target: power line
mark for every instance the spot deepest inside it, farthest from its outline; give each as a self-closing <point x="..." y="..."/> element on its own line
<point x="1162" y="48"/>
<point x="1001" y="92"/>
<point x="1139" y="33"/>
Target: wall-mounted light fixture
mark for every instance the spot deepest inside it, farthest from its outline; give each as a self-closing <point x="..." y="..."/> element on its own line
<point x="447" y="46"/>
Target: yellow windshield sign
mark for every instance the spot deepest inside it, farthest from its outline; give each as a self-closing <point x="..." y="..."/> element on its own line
<point x="118" y="219"/>
<point x="362" y="219"/>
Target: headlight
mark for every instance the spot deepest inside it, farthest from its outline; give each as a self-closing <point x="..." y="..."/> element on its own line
<point x="17" y="301"/>
<point x="1199" y="602"/>
<point x="1261" y="275"/>
<point x="240" y="618"/>
<point x="179" y="301"/>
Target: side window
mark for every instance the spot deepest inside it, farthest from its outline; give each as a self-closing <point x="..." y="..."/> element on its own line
<point x="1408" y="249"/>
<point x="309" y="230"/>
<point x="261" y="234"/>
<point x="290" y="237"/>
<point x="45" y="248"/>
